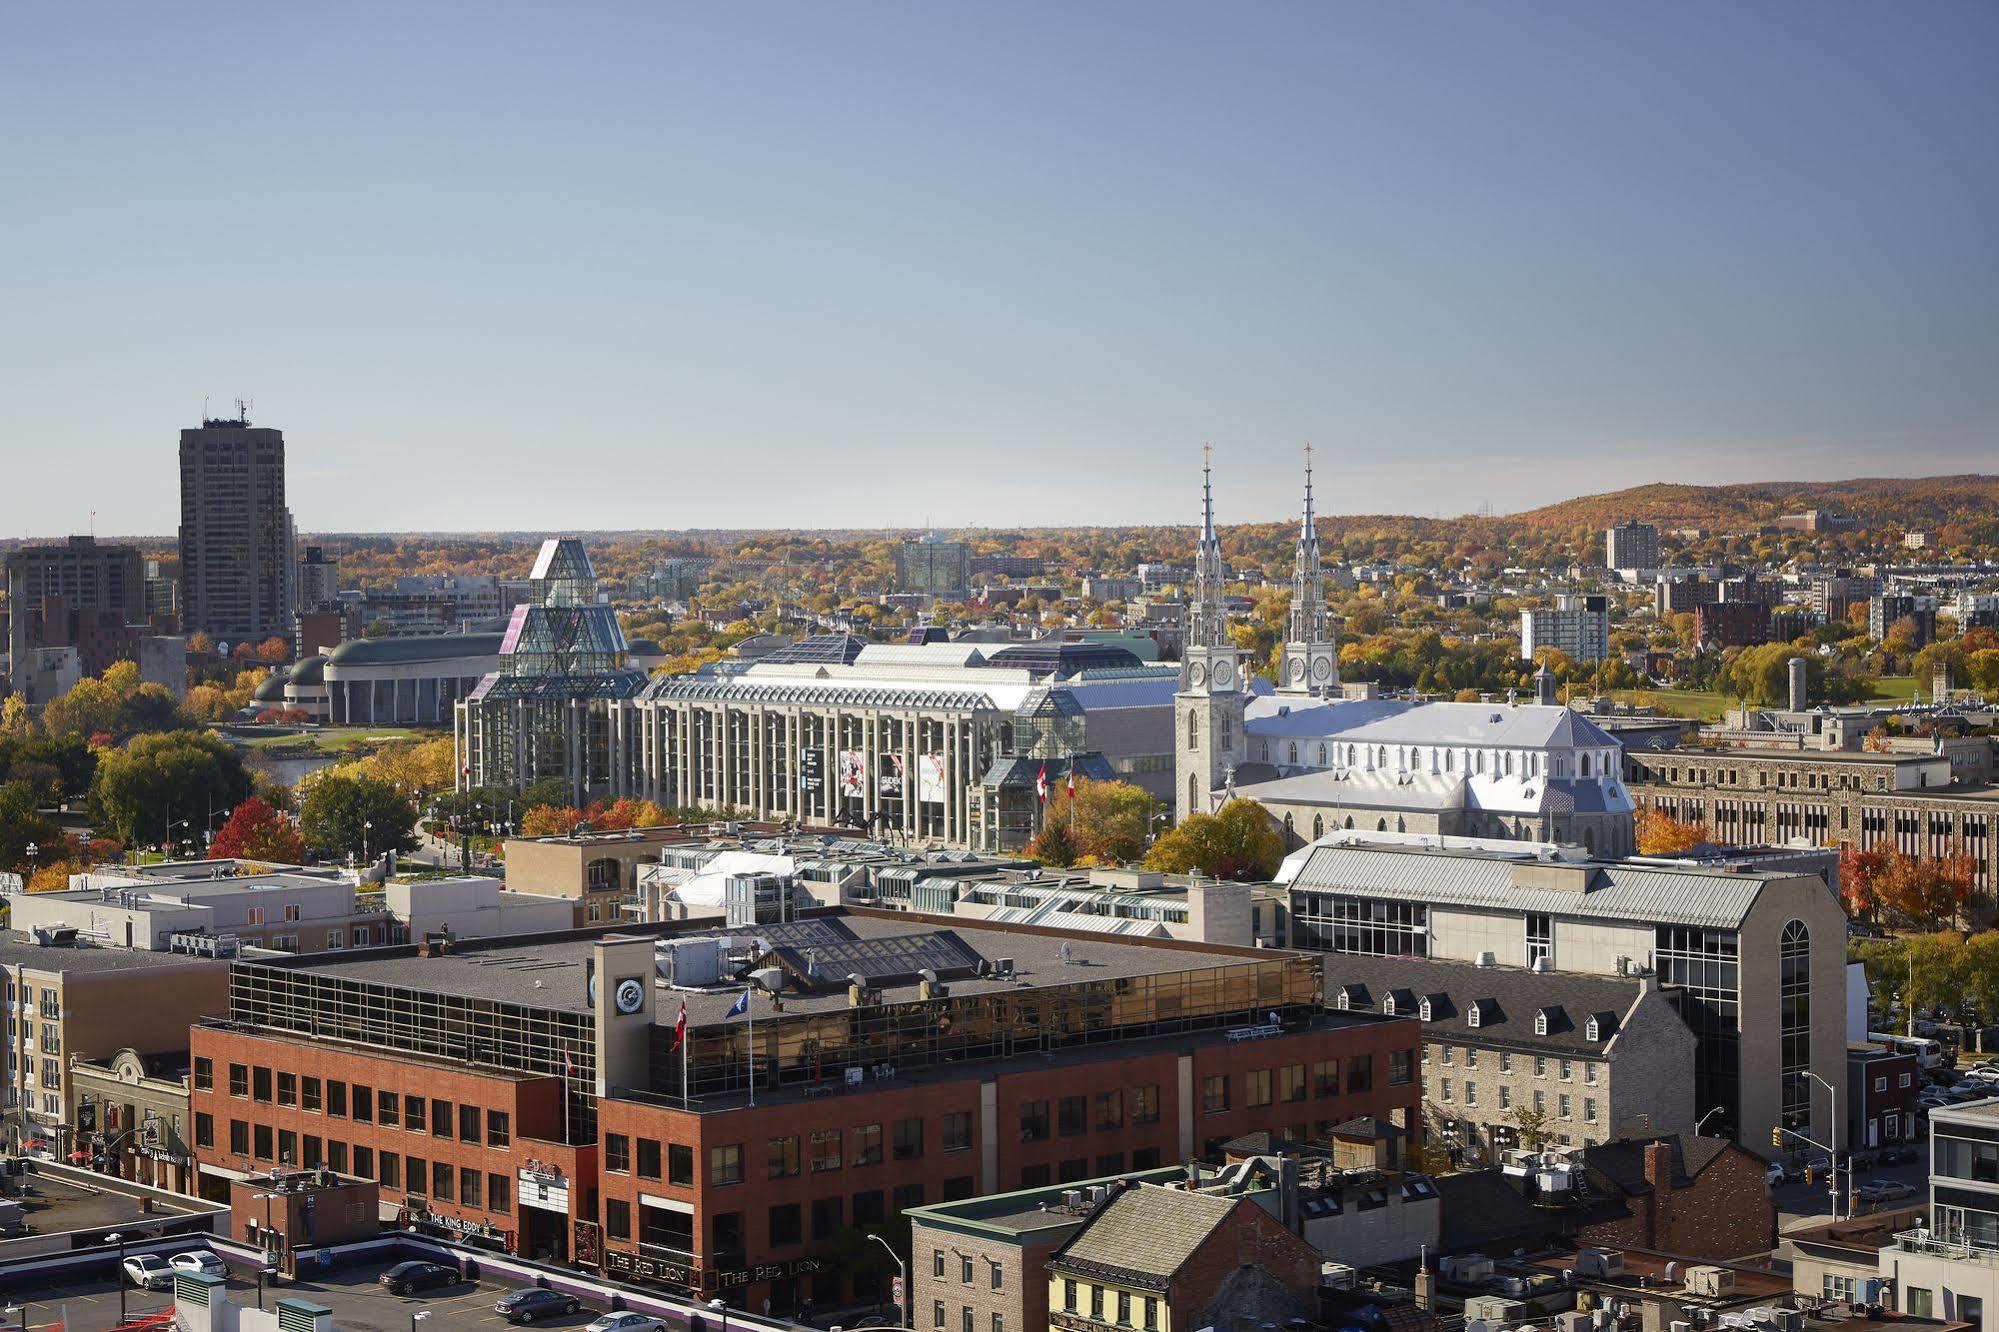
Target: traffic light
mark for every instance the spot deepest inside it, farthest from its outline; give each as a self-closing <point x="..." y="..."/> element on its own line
<point x="1811" y="1175"/>
<point x="1776" y="1137"/>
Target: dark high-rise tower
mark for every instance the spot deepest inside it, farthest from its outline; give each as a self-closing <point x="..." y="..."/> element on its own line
<point x="236" y="564"/>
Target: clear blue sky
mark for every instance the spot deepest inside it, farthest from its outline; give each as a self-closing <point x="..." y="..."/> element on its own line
<point x="598" y="265"/>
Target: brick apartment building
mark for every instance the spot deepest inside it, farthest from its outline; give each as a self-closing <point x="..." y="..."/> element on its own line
<point x="1024" y="1057"/>
<point x="1701" y="1197"/>
<point x="75" y="1000"/>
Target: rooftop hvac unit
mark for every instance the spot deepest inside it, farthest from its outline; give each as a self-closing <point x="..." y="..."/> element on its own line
<point x="1465" y="1269"/>
<point x="1791" y="1320"/>
<point x="1487" y="960"/>
<point x="1681" y="1326"/>
<point x="1099" y="1192"/>
<point x="1492" y="1309"/>
<point x="1574" y="1320"/>
<point x="1763" y="1316"/>
<point x="1710" y="1281"/>
<point x="1600" y="1262"/>
<point x="1337" y="1276"/>
<point x="689" y="962"/>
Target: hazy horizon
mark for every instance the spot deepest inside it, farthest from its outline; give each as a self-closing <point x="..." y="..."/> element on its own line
<point x="506" y="268"/>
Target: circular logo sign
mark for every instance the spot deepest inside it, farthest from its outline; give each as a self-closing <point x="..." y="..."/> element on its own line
<point x="630" y="996"/>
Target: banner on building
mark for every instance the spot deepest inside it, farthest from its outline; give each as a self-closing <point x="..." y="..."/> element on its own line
<point x="930" y="778"/>
<point x="853" y="772"/>
<point x="890" y="779"/>
<point x="811" y="771"/>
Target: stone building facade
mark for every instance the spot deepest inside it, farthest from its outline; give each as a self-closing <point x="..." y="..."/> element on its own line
<point x="1830" y="798"/>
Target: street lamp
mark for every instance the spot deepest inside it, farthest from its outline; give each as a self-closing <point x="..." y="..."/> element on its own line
<point x="118" y="1237"/>
<point x="264" y="1273"/>
<point x="367" y="826"/>
<point x="1706" y="1117"/>
<point x="902" y="1314"/>
<point x="19" y="1312"/>
<point x="33" y="852"/>
<point x="270" y="1254"/>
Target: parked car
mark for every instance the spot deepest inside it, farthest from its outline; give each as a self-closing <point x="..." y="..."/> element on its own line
<point x="1861" y="1161"/>
<point x="625" y="1322"/>
<point x="409" y="1278"/>
<point x="198" y="1260"/>
<point x="532" y="1302"/>
<point x="1899" y="1156"/>
<point x="147" y="1272"/>
<point x="1889" y="1190"/>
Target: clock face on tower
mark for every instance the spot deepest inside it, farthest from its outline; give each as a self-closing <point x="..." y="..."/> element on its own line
<point x="1197" y="674"/>
<point x="1297" y="670"/>
<point x="1222" y="673"/>
<point x="630" y="996"/>
<point x="1322" y="668"/>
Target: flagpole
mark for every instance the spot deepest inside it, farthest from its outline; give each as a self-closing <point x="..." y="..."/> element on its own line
<point x="565" y="1098"/>
<point x="686" y="1089"/>
<point x="751" y="1010"/>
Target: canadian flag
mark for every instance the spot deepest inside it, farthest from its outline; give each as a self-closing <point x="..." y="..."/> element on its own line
<point x="1041" y="785"/>
<point x="679" y="1028"/>
<point x="1072" y="779"/>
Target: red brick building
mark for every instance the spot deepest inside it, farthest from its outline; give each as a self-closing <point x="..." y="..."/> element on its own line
<point x="1024" y="1057"/>
<point x="1685" y="1195"/>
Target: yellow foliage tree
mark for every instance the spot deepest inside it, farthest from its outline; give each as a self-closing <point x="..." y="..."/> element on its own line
<point x="1660" y="834"/>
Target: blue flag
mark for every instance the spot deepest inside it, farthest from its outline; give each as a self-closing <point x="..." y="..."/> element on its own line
<point x="741" y="1006"/>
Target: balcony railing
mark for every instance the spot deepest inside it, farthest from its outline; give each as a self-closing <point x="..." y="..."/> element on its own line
<point x="1933" y="1245"/>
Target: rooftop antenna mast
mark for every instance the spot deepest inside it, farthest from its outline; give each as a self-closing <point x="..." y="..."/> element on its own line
<point x="243" y="406"/>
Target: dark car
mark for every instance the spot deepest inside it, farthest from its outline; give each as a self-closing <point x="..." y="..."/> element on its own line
<point x="1895" y="1156"/>
<point x="524" y="1306"/>
<point x="408" y="1278"/>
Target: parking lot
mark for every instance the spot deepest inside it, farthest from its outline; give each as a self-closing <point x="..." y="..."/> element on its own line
<point x="353" y="1294"/>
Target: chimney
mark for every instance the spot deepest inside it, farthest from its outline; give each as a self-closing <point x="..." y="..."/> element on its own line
<point x="1659" y="1165"/>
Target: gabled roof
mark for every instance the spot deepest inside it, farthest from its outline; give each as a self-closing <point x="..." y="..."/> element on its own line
<point x="1617" y="890"/>
<point x="1623" y="1162"/>
<point x="1143" y="1235"/>
<point x="1508" y="999"/>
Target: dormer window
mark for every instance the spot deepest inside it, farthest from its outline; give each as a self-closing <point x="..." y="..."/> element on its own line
<point x="1593" y="1031"/>
<point x="1424" y="1011"/>
<point x="1541" y="1023"/>
<point x="1472" y="1017"/>
<point x="1388" y="1005"/>
<point x="1343" y="1001"/>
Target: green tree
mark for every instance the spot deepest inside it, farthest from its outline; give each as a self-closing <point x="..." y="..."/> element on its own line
<point x="1237" y="842"/>
<point x="1532" y="1126"/>
<point x="356" y="816"/>
<point x="172" y="777"/>
<point x="22" y="823"/>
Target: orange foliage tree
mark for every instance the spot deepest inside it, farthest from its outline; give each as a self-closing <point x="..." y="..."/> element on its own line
<point x="1921" y="892"/>
<point x="1660" y="834"/>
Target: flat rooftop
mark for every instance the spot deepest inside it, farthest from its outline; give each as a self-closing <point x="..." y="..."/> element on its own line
<point x="550" y="971"/>
<point x="18" y="949"/>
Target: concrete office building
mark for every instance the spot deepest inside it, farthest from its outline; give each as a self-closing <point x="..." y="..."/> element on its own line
<point x="237" y="569"/>
<point x="66" y="595"/>
<point x="1631" y="545"/>
<point x="1754" y="962"/>
<point x="1886" y="613"/>
<point x="1577" y="625"/>
<point x="541" y="1087"/>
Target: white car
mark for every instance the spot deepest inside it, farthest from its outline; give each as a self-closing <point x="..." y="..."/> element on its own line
<point x="147" y="1272"/>
<point x="626" y="1322"/>
<point x="198" y="1260"/>
<point x="1983" y="1072"/>
<point x="1775" y="1174"/>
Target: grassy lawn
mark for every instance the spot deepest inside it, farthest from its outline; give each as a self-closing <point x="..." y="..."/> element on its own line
<point x="338" y="739"/>
<point x="1706" y="705"/>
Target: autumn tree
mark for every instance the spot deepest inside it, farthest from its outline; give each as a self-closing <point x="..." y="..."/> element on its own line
<point x="1105" y="823"/>
<point x="255" y="831"/>
<point x="1660" y="834"/>
<point x="550" y="821"/>
<point x="1237" y="842"/>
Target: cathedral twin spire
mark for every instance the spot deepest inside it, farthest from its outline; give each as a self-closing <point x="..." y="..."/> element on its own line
<point x="1310" y="661"/>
